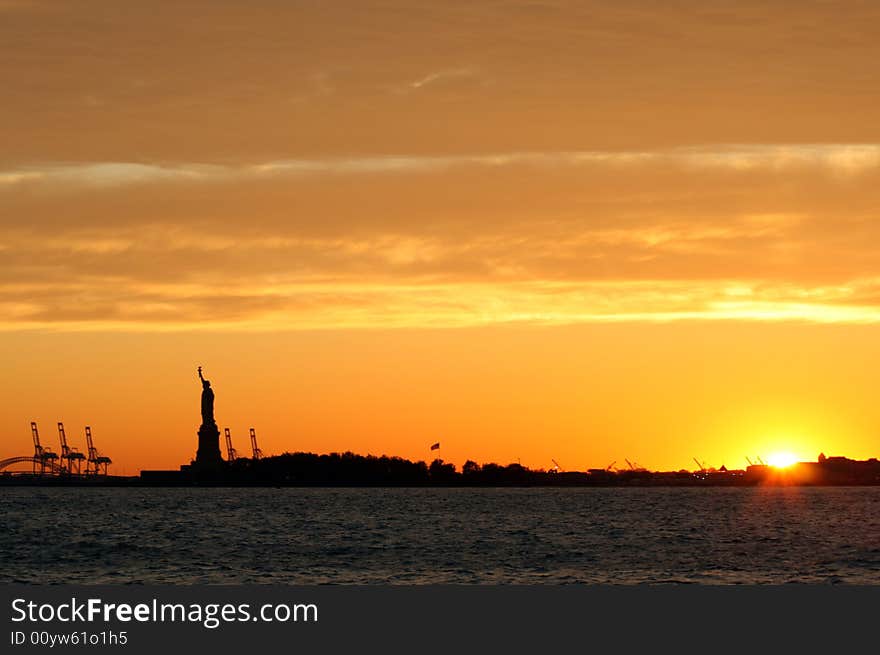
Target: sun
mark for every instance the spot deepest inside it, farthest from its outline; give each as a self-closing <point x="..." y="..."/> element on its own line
<point x="781" y="460"/>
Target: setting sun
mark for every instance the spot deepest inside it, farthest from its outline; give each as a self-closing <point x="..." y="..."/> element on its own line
<point x="781" y="460"/>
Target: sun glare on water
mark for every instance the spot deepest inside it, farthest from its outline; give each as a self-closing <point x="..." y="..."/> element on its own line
<point x="781" y="460"/>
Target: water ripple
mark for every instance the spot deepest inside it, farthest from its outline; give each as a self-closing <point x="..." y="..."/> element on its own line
<point x="418" y="536"/>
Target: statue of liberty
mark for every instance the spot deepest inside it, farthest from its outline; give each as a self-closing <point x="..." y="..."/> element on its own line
<point x="209" y="434"/>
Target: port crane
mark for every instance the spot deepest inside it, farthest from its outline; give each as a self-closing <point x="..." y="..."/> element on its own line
<point x="71" y="458"/>
<point x="556" y="466"/>
<point x="610" y="467"/>
<point x="96" y="464"/>
<point x="230" y="451"/>
<point x="42" y="455"/>
<point x="634" y="466"/>
<point x="701" y="465"/>
<point x="257" y="452"/>
<point x="45" y="461"/>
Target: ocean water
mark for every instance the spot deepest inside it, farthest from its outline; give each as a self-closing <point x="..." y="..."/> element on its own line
<point x="420" y="536"/>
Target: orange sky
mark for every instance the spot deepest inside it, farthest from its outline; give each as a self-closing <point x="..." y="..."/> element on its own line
<point x="570" y="230"/>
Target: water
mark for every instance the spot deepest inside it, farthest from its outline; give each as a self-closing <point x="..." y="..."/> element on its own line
<point x="419" y="536"/>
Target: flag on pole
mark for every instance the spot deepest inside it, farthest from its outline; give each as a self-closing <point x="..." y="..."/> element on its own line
<point x="435" y="446"/>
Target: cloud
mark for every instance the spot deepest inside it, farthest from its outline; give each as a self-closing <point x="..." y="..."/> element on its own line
<point x="183" y="280"/>
<point x="440" y="76"/>
<point x="108" y="174"/>
<point x="736" y="232"/>
<point x="254" y="83"/>
<point x="380" y="306"/>
<point x="842" y="159"/>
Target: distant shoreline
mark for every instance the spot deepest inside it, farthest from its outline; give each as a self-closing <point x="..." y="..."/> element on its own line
<point x="352" y="470"/>
<point x="134" y="482"/>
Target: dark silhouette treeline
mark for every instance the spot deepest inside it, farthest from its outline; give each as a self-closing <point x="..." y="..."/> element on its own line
<point x="351" y="468"/>
<point x="345" y="468"/>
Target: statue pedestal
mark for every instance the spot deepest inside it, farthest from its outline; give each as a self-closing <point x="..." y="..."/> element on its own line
<point x="209" y="445"/>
